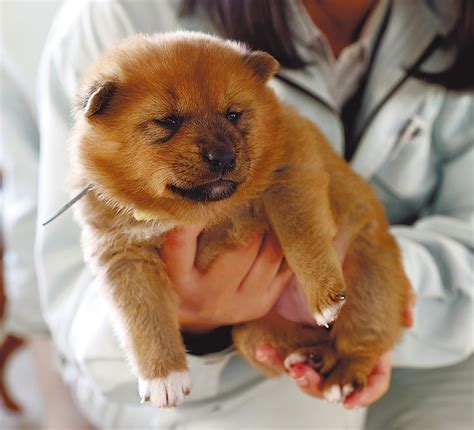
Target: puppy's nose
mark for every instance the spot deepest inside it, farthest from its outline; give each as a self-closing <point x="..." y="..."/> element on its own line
<point x="220" y="160"/>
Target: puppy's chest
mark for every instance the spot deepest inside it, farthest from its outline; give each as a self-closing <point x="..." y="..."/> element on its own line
<point x="144" y="231"/>
<point x="235" y="230"/>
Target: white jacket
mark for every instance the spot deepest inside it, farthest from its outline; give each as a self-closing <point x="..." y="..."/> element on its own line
<point x="415" y="149"/>
<point x="19" y="142"/>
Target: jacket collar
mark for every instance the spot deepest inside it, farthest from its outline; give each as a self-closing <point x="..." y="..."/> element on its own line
<point x="411" y="28"/>
<point x="309" y="40"/>
<point x="411" y="37"/>
<point x="410" y="33"/>
<point x="310" y="81"/>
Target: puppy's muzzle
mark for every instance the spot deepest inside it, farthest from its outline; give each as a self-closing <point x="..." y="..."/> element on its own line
<point x="219" y="160"/>
<point x="208" y="192"/>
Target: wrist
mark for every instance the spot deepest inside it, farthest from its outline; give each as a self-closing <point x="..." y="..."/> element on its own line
<point x="198" y="328"/>
<point x="193" y="322"/>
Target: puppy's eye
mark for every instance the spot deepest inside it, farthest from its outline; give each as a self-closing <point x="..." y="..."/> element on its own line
<point x="171" y="122"/>
<point x="233" y="116"/>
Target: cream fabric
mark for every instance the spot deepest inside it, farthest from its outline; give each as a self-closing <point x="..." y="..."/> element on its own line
<point x="344" y="73"/>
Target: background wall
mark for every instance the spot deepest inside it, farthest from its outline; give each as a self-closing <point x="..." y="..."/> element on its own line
<point x="24" y="25"/>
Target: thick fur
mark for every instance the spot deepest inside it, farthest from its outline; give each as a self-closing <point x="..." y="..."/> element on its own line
<point x="285" y="176"/>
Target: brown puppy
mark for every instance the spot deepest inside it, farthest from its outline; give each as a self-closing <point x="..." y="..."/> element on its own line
<point x="178" y="129"/>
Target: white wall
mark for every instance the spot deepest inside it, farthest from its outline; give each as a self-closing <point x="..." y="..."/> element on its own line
<point x="24" y="25"/>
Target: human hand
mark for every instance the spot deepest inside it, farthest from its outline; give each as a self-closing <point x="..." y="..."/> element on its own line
<point x="309" y="381"/>
<point x="408" y="319"/>
<point x="240" y="285"/>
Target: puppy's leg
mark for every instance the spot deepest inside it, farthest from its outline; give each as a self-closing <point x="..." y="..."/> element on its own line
<point x="299" y="211"/>
<point x="145" y="308"/>
<point x="371" y="320"/>
<point x="287" y="337"/>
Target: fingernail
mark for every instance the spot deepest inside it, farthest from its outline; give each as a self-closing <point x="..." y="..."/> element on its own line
<point x="302" y="382"/>
<point x="312" y="376"/>
<point x="297" y="371"/>
<point x="261" y="355"/>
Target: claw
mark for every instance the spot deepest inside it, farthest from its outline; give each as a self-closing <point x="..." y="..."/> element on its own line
<point x="346" y="390"/>
<point x="328" y="315"/>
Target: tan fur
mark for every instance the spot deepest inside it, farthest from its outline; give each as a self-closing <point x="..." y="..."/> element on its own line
<point x="290" y="180"/>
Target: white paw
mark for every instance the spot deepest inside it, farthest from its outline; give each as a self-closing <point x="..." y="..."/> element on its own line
<point x="165" y="392"/>
<point x="328" y="315"/>
<point x="346" y="390"/>
<point x="292" y="359"/>
<point x="333" y="394"/>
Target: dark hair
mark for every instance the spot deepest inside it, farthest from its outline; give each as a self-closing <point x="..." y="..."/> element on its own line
<point x="460" y="75"/>
<point x="263" y="24"/>
<point x="260" y="24"/>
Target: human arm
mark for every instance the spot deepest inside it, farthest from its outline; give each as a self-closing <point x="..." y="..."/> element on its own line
<point x="20" y="150"/>
<point x="438" y="248"/>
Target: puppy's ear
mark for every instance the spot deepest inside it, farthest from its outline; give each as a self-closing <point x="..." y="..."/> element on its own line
<point x="262" y="64"/>
<point x="97" y="98"/>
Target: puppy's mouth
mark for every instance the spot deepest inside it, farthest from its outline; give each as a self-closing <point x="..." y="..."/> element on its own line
<point x="209" y="192"/>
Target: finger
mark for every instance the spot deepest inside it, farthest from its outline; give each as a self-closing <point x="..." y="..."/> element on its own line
<point x="270" y="357"/>
<point x="189" y="322"/>
<point x="268" y="298"/>
<point x="307" y="379"/>
<point x="233" y="266"/>
<point x="280" y="281"/>
<point x="408" y="320"/>
<point x="408" y="312"/>
<point x="264" y="268"/>
<point x="179" y="251"/>
<point x="377" y="385"/>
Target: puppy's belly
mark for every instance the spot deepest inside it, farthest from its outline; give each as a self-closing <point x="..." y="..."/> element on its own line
<point x="292" y="305"/>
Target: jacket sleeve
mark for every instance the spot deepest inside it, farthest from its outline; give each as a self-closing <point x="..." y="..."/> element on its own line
<point x="20" y="149"/>
<point x="438" y="249"/>
<point x="73" y="307"/>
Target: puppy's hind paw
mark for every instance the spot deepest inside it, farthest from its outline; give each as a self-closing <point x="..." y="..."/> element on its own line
<point x="292" y="359"/>
<point x="347" y="390"/>
<point x="165" y="392"/>
<point x="336" y="394"/>
<point x="333" y="394"/>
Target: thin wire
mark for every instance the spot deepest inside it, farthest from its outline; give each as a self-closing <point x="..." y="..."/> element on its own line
<point x="68" y="204"/>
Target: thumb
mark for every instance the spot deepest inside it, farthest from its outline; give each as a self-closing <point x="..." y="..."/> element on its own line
<point x="179" y="251"/>
<point x="270" y="357"/>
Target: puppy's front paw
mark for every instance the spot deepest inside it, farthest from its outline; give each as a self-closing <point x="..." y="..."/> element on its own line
<point x="327" y="315"/>
<point x="326" y="299"/>
<point x="165" y="392"/>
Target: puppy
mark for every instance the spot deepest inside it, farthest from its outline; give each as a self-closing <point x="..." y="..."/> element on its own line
<point x="179" y="129"/>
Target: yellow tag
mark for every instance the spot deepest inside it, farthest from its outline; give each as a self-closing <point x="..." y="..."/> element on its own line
<point x="143" y="216"/>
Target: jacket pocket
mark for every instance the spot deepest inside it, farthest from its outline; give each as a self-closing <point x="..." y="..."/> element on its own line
<point x="408" y="178"/>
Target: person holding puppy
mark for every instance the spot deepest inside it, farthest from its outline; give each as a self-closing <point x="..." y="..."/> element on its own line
<point x="362" y="72"/>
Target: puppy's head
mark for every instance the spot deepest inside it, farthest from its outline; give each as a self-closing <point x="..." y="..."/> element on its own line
<point x="177" y="120"/>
